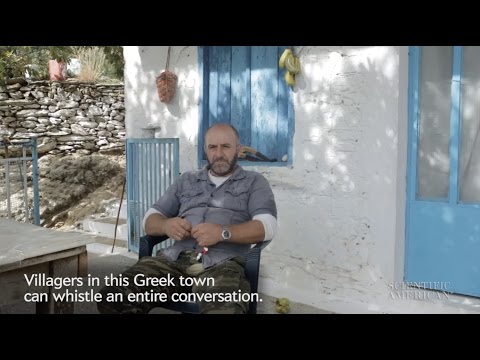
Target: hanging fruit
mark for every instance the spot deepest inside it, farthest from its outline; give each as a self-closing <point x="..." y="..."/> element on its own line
<point x="292" y="63"/>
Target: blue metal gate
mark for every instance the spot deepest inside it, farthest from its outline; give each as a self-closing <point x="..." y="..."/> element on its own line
<point x="152" y="166"/>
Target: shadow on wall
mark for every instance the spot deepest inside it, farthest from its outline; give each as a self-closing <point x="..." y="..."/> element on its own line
<point x="342" y="101"/>
<point x="143" y="101"/>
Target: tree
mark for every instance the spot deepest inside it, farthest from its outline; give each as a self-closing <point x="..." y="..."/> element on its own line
<point x="14" y="59"/>
<point x="114" y="55"/>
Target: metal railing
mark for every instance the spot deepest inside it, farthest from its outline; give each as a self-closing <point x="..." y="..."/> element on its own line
<point x="19" y="198"/>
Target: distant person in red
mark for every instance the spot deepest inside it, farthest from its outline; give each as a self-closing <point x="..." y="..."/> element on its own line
<point x="56" y="70"/>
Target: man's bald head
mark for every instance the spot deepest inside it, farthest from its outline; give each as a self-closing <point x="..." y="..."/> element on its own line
<point x="222" y="146"/>
<point x="223" y="127"/>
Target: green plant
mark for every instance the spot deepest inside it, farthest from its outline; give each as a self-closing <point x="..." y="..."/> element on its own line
<point x="92" y="62"/>
<point x="115" y="60"/>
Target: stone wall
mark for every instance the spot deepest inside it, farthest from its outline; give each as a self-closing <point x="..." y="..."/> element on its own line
<point x="65" y="117"/>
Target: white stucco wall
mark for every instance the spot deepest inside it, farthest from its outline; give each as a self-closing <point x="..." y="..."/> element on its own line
<point x="341" y="204"/>
<point x="179" y="118"/>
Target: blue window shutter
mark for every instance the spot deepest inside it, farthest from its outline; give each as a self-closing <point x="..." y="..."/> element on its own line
<point x="240" y="80"/>
<point x="244" y="86"/>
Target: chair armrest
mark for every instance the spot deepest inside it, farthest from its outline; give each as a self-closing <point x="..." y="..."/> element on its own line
<point x="253" y="256"/>
<point x="252" y="265"/>
<point x="252" y="268"/>
<point x="261" y="245"/>
<point x="147" y="243"/>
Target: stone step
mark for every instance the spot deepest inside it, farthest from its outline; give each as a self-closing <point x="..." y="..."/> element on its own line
<point x="106" y="227"/>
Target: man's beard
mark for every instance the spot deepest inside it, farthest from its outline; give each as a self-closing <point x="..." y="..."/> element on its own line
<point x="222" y="170"/>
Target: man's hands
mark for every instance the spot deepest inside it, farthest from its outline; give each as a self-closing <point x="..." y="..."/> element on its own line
<point x="177" y="228"/>
<point x="207" y="234"/>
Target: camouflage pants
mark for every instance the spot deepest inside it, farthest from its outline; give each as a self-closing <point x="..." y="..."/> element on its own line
<point x="228" y="277"/>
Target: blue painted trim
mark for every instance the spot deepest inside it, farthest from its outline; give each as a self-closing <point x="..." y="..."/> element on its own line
<point x="176" y="144"/>
<point x="431" y="199"/>
<point x="414" y="114"/>
<point x="455" y="124"/>
<point x="413" y="96"/>
<point x="149" y="140"/>
<point x="291" y="127"/>
<point x="245" y="163"/>
<point x="284" y="101"/>
<point x="203" y="94"/>
<point x="130" y="189"/>
<point x="36" y="197"/>
<point x="465" y="205"/>
<point x="460" y="130"/>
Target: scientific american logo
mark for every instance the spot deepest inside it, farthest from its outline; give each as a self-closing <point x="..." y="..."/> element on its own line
<point x="421" y="290"/>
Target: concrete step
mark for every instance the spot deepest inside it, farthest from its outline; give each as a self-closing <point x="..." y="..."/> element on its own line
<point x="106" y="241"/>
<point x="106" y="227"/>
<point x="113" y="210"/>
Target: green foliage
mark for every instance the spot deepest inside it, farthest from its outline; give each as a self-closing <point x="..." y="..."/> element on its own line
<point x="14" y="59"/>
<point x="114" y="56"/>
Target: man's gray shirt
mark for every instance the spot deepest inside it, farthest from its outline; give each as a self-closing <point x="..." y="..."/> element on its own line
<point x="196" y="198"/>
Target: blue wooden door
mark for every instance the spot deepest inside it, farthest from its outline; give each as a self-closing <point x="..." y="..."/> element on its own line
<point x="243" y="86"/>
<point x="443" y="192"/>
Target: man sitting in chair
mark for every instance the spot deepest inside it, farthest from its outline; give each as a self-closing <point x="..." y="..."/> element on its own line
<point x="214" y="215"/>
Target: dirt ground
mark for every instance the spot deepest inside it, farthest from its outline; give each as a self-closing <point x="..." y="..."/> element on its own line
<point x="74" y="187"/>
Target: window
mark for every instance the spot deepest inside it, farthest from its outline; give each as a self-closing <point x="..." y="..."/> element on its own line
<point x="447" y="80"/>
<point x="243" y="86"/>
